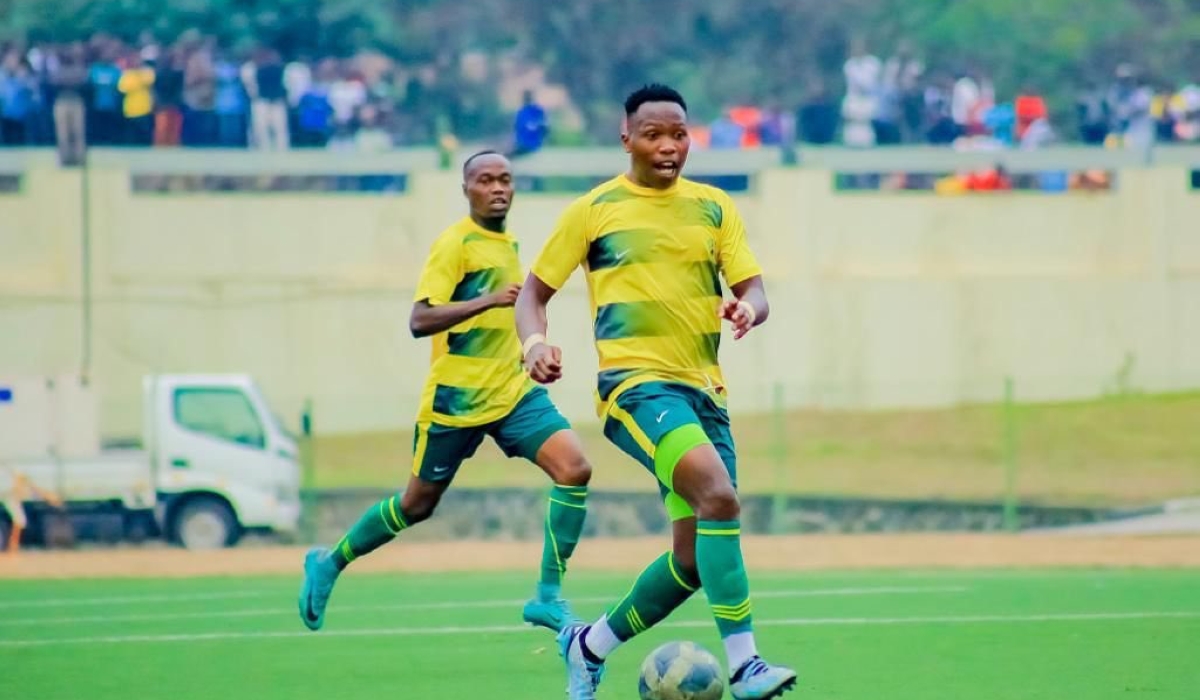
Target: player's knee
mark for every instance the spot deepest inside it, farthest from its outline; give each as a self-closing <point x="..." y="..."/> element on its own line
<point x="719" y="502"/>
<point x="572" y="471"/>
<point x="418" y="506"/>
<point x="561" y="457"/>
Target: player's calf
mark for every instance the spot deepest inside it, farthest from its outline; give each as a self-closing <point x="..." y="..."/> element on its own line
<point x="377" y="526"/>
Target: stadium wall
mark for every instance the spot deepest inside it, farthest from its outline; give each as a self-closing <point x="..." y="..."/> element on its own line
<point x="879" y="299"/>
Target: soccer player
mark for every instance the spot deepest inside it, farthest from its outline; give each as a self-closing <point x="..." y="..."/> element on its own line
<point x="653" y="244"/>
<point x="476" y="387"/>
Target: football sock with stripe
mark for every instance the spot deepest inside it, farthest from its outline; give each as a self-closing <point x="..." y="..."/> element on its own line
<point x="719" y="560"/>
<point x="378" y="525"/>
<point x="659" y="590"/>
<point x="566" y="509"/>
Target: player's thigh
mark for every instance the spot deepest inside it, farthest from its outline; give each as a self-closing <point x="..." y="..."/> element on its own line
<point x="529" y="426"/>
<point x="716" y="424"/>
<point x="656" y="423"/>
<point x="440" y="450"/>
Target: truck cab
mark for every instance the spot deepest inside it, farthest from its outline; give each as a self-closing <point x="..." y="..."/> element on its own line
<point x="223" y="463"/>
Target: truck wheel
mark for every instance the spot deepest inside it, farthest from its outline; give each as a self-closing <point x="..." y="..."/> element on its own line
<point x="137" y="529"/>
<point x="206" y="524"/>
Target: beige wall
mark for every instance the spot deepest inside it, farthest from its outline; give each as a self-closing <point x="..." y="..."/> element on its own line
<point x="879" y="299"/>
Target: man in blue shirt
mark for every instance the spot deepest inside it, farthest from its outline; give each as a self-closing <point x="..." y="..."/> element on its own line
<point x="530" y="127"/>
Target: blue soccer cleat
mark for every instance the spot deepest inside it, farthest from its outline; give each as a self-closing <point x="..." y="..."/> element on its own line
<point x="759" y="680"/>
<point x="582" y="675"/>
<point x="551" y="614"/>
<point x="320" y="574"/>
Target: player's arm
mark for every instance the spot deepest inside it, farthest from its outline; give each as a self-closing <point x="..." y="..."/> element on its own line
<point x="433" y="310"/>
<point x="562" y="253"/>
<point x="749" y="307"/>
<point x="430" y="319"/>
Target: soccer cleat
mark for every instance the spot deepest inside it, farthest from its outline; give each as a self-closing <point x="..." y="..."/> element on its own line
<point x="582" y="675"/>
<point x="759" y="680"/>
<point x="552" y="614"/>
<point x="319" y="576"/>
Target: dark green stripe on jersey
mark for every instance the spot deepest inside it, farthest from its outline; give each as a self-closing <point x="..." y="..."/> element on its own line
<point x="609" y="379"/>
<point x="458" y="401"/>
<point x="620" y="248"/>
<point x="476" y="283"/>
<point x="483" y="342"/>
<point x="634" y="319"/>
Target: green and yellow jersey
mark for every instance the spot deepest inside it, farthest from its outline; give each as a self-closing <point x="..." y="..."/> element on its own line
<point x="476" y="375"/>
<point x="653" y="260"/>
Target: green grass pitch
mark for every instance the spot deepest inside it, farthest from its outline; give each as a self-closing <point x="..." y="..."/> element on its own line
<point x="970" y="635"/>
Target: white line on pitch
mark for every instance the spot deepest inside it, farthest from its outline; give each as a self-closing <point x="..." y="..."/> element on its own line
<point x="515" y="629"/>
<point x="448" y="605"/>
<point x="118" y="600"/>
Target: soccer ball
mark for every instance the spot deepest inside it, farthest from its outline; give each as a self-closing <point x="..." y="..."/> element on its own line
<point x="681" y="671"/>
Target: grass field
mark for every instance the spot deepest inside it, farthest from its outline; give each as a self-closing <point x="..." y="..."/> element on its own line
<point x="1128" y="450"/>
<point x="965" y="635"/>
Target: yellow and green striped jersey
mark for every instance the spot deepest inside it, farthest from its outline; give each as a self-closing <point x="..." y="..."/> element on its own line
<point x="653" y="260"/>
<point x="476" y="375"/>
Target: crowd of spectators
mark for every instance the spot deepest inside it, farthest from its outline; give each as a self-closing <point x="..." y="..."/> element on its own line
<point x="196" y="93"/>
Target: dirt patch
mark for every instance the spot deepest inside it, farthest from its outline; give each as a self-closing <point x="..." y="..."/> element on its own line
<point x="813" y="552"/>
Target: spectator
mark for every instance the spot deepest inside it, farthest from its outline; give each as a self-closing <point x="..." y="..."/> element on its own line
<point x="1129" y="106"/>
<point x="862" y="70"/>
<point x="902" y="75"/>
<point x="1029" y="107"/>
<point x="200" y="98"/>
<point x="725" y="133"/>
<point x="942" y="128"/>
<point x="106" y="120"/>
<point x="1185" y="106"/>
<point x="270" y="108"/>
<point x="70" y="78"/>
<point x="967" y="105"/>
<point x="530" y="127"/>
<point x="346" y="95"/>
<point x="314" y="117"/>
<point x="1091" y="110"/>
<point x="818" y="118"/>
<point x="137" y="83"/>
<point x="18" y="98"/>
<point x="231" y="105"/>
<point x="168" y="98"/>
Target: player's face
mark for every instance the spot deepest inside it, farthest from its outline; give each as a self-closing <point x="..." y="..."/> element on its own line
<point x="657" y="140"/>
<point x="489" y="186"/>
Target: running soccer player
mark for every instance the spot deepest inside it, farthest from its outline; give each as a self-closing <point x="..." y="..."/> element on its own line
<point x="476" y="388"/>
<point x="652" y="245"/>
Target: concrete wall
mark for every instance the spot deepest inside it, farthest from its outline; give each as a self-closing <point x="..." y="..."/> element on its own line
<point x="879" y="299"/>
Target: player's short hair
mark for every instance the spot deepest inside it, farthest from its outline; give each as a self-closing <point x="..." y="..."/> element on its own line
<point x="654" y="92"/>
<point x="478" y="154"/>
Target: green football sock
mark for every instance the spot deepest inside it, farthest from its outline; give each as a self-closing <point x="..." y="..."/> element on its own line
<point x="378" y="525"/>
<point x="719" y="559"/>
<point x="565" y="512"/>
<point x="659" y="589"/>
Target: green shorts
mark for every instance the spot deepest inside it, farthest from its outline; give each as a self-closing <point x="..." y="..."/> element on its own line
<point x="642" y="415"/>
<point x="439" y="450"/>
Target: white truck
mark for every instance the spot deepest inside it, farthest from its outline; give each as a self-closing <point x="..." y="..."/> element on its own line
<point x="213" y="463"/>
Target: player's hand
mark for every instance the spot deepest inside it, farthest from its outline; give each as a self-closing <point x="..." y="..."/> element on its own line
<point x="740" y="314"/>
<point x="506" y="296"/>
<point x="544" y="363"/>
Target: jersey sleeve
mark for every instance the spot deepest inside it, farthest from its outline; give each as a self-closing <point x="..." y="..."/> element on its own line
<point x="442" y="272"/>
<point x="566" y="248"/>
<point x="736" y="260"/>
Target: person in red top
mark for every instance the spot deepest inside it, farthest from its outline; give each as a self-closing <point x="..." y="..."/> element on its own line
<point x="992" y="180"/>
<point x="1029" y="107"/>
